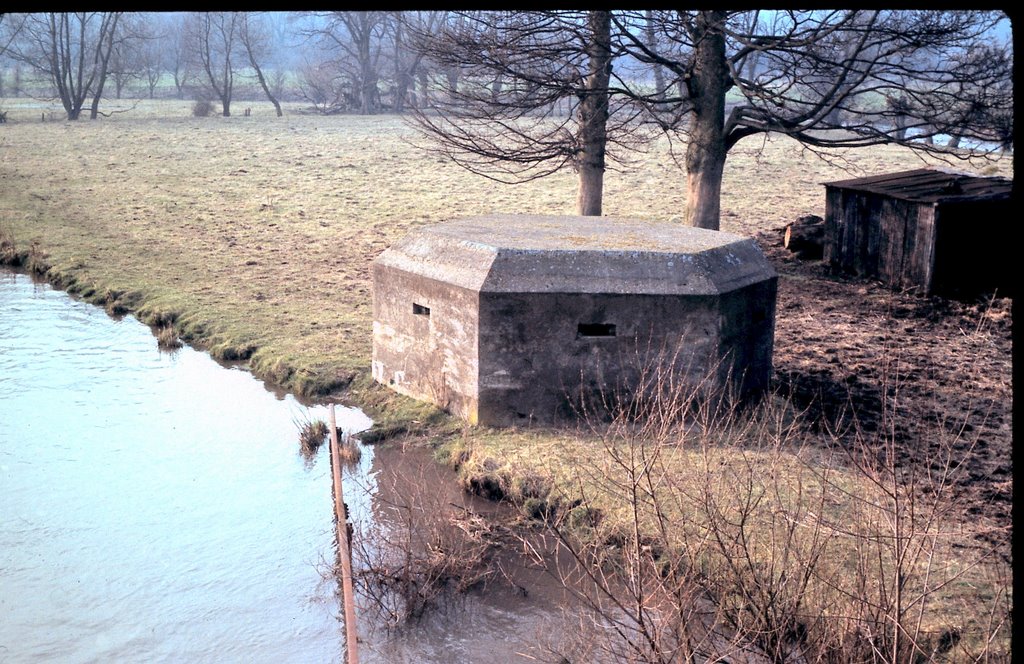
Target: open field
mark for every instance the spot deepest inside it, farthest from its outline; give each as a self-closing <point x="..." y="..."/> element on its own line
<point x="254" y="237"/>
<point x="257" y="232"/>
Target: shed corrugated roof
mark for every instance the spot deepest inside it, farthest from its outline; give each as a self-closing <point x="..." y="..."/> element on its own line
<point x="931" y="185"/>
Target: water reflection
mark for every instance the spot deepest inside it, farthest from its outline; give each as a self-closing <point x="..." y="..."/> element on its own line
<point x="157" y="508"/>
<point x="155" y="505"/>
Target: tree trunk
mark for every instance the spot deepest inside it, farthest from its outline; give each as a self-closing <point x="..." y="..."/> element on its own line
<point x="403" y="73"/>
<point x="107" y="31"/>
<point x="424" y="95"/>
<point x="659" y="76"/>
<point x="593" y="114"/>
<point x="805" y="237"/>
<point x="901" y="127"/>
<point x="402" y="91"/>
<point x="261" y="78"/>
<point x="496" y="86"/>
<point x="413" y="98"/>
<point x="751" y="65"/>
<point x="266" y="89"/>
<point x="367" y="76"/>
<point x="704" y="189"/>
<point x="706" y="150"/>
<point x="452" y="76"/>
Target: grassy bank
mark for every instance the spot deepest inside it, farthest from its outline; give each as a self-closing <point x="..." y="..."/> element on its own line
<point x="253" y="238"/>
<point x="254" y="235"/>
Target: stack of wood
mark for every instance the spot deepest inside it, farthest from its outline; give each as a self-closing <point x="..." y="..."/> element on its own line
<point x="805" y="237"/>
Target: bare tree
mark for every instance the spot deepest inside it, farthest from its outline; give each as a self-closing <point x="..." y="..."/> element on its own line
<point x="135" y="53"/>
<point x="3" y="61"/>
<point x="848" y="78"/>
<point x="822" y="77"/>
<point x="152" y="61"/>
<point x="176" y="54"/>
<point x="321" y="85"/>
<point x="72" y="50"/>
<point x="255" y="39"/>
<point x="356" y="39"/>
<point x="8" y="31"/>
<point x="213" y="41"/>
<point x="407" y="60"/>
<point x="18" y="89"/>
<point x="506" y="76"/>
<point x="108" y="40"/>
<point x="124" y="66"/>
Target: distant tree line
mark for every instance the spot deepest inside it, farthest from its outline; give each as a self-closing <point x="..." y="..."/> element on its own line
<point x="516" y="95"/>
<point x="345" y="61"/>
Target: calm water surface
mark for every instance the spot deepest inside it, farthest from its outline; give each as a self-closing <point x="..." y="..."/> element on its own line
<point x="154" y="508"/>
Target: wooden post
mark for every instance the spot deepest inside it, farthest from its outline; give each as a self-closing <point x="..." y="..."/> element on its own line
<point x="344" y="549"/>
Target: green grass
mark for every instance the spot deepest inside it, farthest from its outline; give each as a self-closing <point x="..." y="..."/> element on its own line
<point x="252" y="237"/>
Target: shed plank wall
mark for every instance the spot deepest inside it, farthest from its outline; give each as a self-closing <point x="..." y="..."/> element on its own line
<point x="881" y="237"/>
<point x="919" y="249"/>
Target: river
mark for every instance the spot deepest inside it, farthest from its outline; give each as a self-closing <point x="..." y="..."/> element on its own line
<point x="155" y="507"/>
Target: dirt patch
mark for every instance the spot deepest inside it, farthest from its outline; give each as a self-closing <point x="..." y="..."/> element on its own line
<point x="856" y="354"/>
<point x="254" y="236"/>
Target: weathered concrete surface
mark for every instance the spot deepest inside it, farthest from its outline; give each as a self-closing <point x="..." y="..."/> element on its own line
<point x="510" y="319"/>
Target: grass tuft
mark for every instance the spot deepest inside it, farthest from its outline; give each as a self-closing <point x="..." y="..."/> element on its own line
<point x="312" y="435"/>
<point x="349" y="449"/>
<point x="37" y="261"/>
<point x="167" y="338"/>
<point x="8" y="250"/>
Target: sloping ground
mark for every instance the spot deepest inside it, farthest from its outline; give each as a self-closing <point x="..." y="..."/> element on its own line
<point x="254" y="235"/>
<point x="934" y="374"/>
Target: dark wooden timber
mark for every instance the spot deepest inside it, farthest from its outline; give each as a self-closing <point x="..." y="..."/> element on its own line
<point x="805" y="237"/>
<point x="930" y="230"/>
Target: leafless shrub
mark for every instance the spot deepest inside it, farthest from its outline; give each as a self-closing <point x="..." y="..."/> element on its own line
<point x="349" y="449"/>
<point x="202" y="108"/>
<point x="419" y="552"/>
<point x="732" y="534"/>
<point x="37" y="261"/>
<point x="167" y="338"/>
<point x="8" y="248"/>
<point x="320" y="84"/>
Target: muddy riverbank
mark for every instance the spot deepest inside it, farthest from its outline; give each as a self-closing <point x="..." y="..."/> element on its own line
<point x="157" y="507"/>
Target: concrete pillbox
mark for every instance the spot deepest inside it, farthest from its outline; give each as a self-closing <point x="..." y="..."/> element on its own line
<point x="509" y="319"/>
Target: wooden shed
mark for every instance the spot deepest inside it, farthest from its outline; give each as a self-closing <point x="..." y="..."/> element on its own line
<point x="935" y="230"/>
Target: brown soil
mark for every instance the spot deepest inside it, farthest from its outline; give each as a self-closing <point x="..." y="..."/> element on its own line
<point x="934" y="373"/>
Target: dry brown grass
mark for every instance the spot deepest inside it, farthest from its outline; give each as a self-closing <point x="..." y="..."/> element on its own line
<point x="256" y="233"/>
<point x="254" y="236"/>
